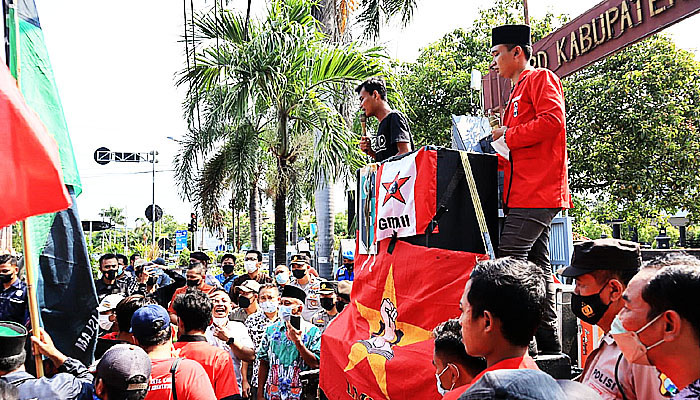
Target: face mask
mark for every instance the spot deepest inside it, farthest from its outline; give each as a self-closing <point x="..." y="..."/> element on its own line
<point x="5" y="278"/>
<point x="243" y="302"/>
<point x="327" y="304"/>
<point x="589" y="308"/>
<point x="151" y="280"/>
<point x="250" y="266"/>
<point x="193" y="282"/>
<point x="228" y="269"/>
<point x="299" y="273"/>
<point x="110" y="275"/>
<point x="220" y="322"/>
<point x="440" y="389"/>
<point x="285" y="312"/>
<point x="282" y="278"/>
<point x="339" y="305"/>
<point x="120" y="269"/>
<point x="104" y="322"/>
<point x="631" y="347"/>
<point x="268" y="306"/>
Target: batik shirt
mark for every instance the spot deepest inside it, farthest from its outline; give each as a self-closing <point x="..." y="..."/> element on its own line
<point x="691" y="391"/>
<point x="285" y="362"/>
<point x="256" y="323"/>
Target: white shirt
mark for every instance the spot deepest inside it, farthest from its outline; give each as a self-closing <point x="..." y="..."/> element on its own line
<point x="239" y="333"/>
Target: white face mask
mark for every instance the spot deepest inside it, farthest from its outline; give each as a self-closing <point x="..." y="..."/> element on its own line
<point x="104" y="322"/>
<point x="220" y="322"/>
<point x="441" y="389"/>
<point x="268" y="306"/>
<point x="250" y="266"/>
<point x="631" y="347"/>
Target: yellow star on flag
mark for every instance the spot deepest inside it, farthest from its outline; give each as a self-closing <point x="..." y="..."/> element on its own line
<point x="377" y="362"/>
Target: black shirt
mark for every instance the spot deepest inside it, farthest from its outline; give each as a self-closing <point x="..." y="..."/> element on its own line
<point x="120" y="286"/>
<point x="392" y="130"/>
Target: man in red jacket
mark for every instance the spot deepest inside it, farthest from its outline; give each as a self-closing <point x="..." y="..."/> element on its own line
<point x="536" y="185"/>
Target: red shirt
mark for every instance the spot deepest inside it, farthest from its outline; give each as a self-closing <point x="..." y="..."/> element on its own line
<point x="525" y="362"/>
<point x="190" y="381"/>
<point x="110" y="336"/>
<point x="536" y="136"/>
<point x="216" y="362"/>
<point x="181" y="290"/>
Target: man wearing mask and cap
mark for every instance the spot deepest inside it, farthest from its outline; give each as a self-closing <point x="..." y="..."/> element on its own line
<point x="286" y="350"/>
<point x="247" y="301"/>
<point x="228" y="263"/>
<point x="268" y="302"/>
<point x="660" y="322"/>
<point x="73" y="380"/>
<point x="346" y="272"/>
<point x="602" y="269"/>
<point x="310" y="284"/>
<point x="108" y="283"/>
<point x="13" y="292"/>
<point x="535" y="184"/>
<point x="328" y="301"/>
<point x="106" y="317"/>
<point x="252" y="264"/>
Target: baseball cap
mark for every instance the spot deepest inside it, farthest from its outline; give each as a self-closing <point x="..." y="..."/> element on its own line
<point x="326" y="287"/>
<point x="250" y="286"/>
<point x="124" y="367"/>
<point x="159" y="261"/>
<point x="109" y="302"/>
<point x="12" y="338"/>
<point x="300" y="259"/>
<point x="344" y="289"/>
<point x="603" y="254"/>
<point x="200" y="255"/>
<point x="149" y="320"/>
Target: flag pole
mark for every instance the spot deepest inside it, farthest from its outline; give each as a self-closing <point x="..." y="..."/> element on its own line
<point x="31" y="294"/>
<point x="13" y="55"/>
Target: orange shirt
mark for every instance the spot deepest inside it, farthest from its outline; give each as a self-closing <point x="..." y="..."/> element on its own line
<point x="525" y="362"/>
<point x="203" y="287"/>
<point x="216" y="362"/>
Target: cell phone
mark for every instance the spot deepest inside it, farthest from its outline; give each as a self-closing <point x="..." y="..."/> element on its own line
<point x="295" y="321"/>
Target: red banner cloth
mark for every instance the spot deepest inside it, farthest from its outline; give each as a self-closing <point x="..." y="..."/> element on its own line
<point x="30" y="169"/>
<point x="380" y="346"/>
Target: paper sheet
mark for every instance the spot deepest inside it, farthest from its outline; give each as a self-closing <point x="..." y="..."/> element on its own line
<point x="501" y="147"/>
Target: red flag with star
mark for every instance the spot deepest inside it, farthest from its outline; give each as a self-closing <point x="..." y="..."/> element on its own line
<point x="380" y="345"/>
<point x="406" y="194"/>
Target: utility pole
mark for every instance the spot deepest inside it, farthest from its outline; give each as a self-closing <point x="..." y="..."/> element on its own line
<point x="527" y="15"/>
<point x="153" y="198"/>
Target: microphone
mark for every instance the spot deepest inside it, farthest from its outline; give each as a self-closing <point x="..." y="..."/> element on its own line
<point x="363" y="122"/>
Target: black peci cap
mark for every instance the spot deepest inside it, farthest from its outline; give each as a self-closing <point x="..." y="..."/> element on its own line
<point x="12" y="338"/>
<point x="603" y="254"/>
<point x="511" y="34"/>
<point x="293" y="292"/>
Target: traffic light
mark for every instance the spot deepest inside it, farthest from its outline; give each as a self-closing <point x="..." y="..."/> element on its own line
<point x="192" y="227"/>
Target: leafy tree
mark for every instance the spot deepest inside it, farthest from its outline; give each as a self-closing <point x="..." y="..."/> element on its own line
<point x="286" y="73"/>
<point x="632" y="123"/>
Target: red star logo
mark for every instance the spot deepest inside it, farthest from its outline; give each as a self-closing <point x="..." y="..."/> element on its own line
<point x="393" y="189"/>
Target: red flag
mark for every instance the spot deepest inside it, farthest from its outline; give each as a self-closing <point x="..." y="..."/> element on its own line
<point x="30" y="170"/>
<point x="380" y="345"/>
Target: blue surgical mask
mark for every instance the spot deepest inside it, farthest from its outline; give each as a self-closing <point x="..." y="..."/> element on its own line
<point x="120" y="269"/>
<point x="285" y="312"/>
<point x="268" y="306"/>
<point x="282" y="278"/>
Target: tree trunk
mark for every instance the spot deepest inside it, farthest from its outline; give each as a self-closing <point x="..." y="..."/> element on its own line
<point x="254" y="216"/>
<point x="281" y="223"/>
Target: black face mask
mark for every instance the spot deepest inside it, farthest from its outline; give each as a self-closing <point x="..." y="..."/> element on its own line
<point x="5" y="278"/>
<point x="243" y="302"/>
<point x="339" y="305"/>
<point x="151" y="280"/>
<point x="193" y="282"/>
<point x="326" y="303"/>
<point x="589" y="308"/>
<point x="299" y="273"/>
<point x="227" y="269"/>
<point x="110" y="275"/>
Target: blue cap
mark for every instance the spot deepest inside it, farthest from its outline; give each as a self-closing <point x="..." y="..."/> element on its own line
<point x="349" y="254"/>
<point x="148" y="320"/>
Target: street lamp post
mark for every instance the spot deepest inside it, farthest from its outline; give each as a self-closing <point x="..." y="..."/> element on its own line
<point x="153" y="154"/>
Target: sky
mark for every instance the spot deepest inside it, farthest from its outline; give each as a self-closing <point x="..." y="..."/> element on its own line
<point x="115" y="66"/>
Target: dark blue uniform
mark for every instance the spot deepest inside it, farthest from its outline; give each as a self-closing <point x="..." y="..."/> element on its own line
<point x="73" y="381"/>
<point x="345" y="274"/>
<point x="13" y="303"/>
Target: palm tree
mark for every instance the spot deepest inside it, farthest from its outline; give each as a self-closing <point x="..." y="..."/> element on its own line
<point x="285" y="76"/>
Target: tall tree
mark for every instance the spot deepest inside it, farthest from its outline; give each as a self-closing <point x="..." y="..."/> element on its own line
<point x="286" y="73"/>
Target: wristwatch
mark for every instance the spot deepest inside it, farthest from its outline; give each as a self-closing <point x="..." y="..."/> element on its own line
<point x="230" y="341"/>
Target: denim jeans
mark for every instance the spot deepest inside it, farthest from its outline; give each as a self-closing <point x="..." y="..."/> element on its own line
<point x="526" y="235"/>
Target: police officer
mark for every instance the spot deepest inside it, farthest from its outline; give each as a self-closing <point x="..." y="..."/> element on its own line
<point x="73" y="380"/>
<point x="346" y="272"/>
<point x="602" y="269"/>
<point x="13" y="293"/>
<point x="328" y="300"/>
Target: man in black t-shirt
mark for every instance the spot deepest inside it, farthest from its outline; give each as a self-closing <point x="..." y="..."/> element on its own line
<point x="393" y="134"/>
